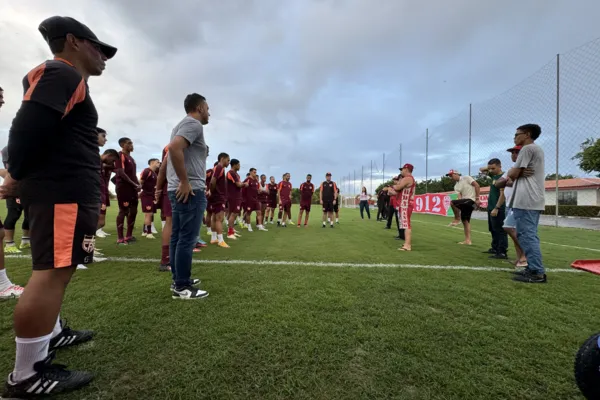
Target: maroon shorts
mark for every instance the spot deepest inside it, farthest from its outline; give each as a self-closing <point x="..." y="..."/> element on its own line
<point x="216" y="206"/>
<point x="252" y="206"/>
<point x="148" y="205"/>
<point x="127" y="198"/>
<point x="285" y="206"/>
<point x="305" y="207"/>
<point x="235" y="206"/>
<point x="165" y="206"/>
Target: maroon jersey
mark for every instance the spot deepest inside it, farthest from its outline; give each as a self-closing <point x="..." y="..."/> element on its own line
<point x="252" y="189"/>
<point x="209" y="174"/>
<point x="149" y="177"/>
<point x="233" y="192"/>
<point x="272" y="192"/>
<point x="219" y="194"/>
<point x="128" y="164"/>
<point x="105" y="172"/>
<point x="285" y="189"/>
<point x="306" y="192"/>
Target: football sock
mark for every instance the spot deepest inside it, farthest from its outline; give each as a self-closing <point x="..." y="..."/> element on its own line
<point x="120" y="224"/>
<point x="57" y="328"/>
<point x="214" y="235"/>
<point x="5" y="283"/>
<point x="29" y="351"/>
<point x="220" y="237"/>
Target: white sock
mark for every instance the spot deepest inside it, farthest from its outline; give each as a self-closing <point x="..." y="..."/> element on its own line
<point x="337" y="220"/>
<point x="162" y="223"/>
<point x="331" y="222"/>
<point x="5" y="283"/>
<point x="29" y="351"/>
<point x="214" y="235"/>
<point x="220" y="238"/>
<point x="57" y="328"/>
<point x="328" y="219"/>
<point x="152" y="225"/>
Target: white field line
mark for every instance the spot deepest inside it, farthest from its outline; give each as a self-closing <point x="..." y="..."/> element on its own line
<point x="322" y="264"/>
<point x="487" y="234"/>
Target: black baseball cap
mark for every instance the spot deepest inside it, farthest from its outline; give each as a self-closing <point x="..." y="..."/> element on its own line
<point x="58" y="27"/>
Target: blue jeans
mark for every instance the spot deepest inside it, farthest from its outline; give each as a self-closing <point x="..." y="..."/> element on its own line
<point x="187" y="219"/>
<point x="527" y="232"/>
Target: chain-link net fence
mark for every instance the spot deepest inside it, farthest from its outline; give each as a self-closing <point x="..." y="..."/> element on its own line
<point x="563" y="97"/>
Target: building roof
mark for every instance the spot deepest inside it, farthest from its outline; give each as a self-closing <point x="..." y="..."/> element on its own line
<point x="566" y="184"/>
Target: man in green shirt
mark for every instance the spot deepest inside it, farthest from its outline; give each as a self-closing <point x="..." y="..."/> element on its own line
<point x="496" y="211"/>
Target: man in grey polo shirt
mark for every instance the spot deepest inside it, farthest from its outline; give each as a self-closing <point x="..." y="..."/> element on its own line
<point x="186" y="177"/>
<point x="527" y="201"/>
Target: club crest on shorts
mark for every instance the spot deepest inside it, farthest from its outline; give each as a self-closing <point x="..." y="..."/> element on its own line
<point x="18" y="200"/>
<point x="148" y="208"/>
<point x="103" y="207"/>
<point x="89" y="243"/>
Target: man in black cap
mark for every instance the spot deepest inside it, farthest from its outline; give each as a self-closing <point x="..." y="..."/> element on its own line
<point x="54" y="135"/>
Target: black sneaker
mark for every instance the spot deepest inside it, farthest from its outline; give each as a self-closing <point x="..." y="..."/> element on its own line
<point x="195" y="281"/>
<point x="48" y="380"/>
<point x="164" y="268"/>
<point x="331" y="225"/>
<point x="68" y="337"/>
<point x="523" y="271"/>
<point x="278" y="223"/>
<point x="387" y="227"/>
<point x="500" y="256"/>
<point x="489" y="251"/>
<point x="189" y="293"/>
<point x="530" y="278"/>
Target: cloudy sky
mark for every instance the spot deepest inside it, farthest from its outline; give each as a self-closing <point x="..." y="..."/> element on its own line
<point x="310" y="86"/>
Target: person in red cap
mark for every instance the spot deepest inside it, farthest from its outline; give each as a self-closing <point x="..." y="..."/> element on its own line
<point x="54" y="135"/>
<point x="468" y="200"/>
<point x="406" y="193"/>
<point x="509" y="221"/>
<point x="328" y="197"/>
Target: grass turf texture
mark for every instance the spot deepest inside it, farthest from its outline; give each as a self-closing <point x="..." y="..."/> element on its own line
<point x="310" y="332"/>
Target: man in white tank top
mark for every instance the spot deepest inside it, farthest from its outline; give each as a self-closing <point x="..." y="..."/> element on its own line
<point x="406" y="188"/>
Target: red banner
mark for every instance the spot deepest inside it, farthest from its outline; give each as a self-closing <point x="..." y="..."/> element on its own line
<point x="439" y="203"/>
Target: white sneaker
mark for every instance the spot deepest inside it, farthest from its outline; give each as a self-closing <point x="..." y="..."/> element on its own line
<point x="250" y="228"/>
<point x="291" y="223"/>
<point x="144" y="234"/>
<point x="150" y="236"/>
<point x="81" y="266"/>
<point x="100" y="234"/>
<point x="102" y="230"/>
<point x="11" y="292"/>
<point x="154" y="231"/>
<point x="232" y="237"/>
<point x="262" y="228"/>
<point x="237" y="235"/>
<point x="99" y="259"/>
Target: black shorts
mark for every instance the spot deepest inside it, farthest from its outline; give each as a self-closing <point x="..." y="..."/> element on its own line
<point x="62" y="235"/>
<point x="327" y="206"/>
<point x="466" y="207"/>
<point x="336" y="207"/>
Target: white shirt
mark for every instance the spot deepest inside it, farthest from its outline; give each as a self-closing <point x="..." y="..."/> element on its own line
<point x="465" y="188"/>
<point x="364" y="197"/>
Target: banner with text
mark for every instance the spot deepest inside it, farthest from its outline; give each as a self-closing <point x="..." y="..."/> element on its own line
<point x="439" y="203"/>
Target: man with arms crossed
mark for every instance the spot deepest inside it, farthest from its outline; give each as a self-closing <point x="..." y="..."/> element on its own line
<point x="234" y="196"/>
<point x="284" y="195"/>
<point x="307" y="189"/>
<point x="186" y="177"/>
<point x="217" y="200"/>
<point x="328" y="198"/>
<point x="127" y="188"/>
<point x="509" y="221"/>
<point x="53" y="149"/>
<point x="272" y="203"/>
<point x="496" y="211"/>
<point x="7" y="288"/>
<point x="252" y="203"/>
<point x="528" y="201"/>
<point x="468" y="199"/>
<point x="148" y="183"/>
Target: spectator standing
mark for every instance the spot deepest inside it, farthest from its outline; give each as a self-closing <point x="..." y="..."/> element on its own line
<point x="496" y="210"/>
<point x="364" y="198"/>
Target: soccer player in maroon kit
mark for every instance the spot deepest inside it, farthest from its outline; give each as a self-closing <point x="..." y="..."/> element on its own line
<point x="107" y="166"/>
<point x="127" y="187"/>
<point x="208" y="217"/>
<point x="53" y="149"/>
<point x="161" y="199"/>
<point x="148" y="183"/>
<point x="272" y="202"/>
<point x="284" y="194"/>
<point x="263" y="198"/>
<point x="234" y="196"/>
<point x="306" y="193"/>
<point x="252" y="203"/>
<point x="217" y="200"/>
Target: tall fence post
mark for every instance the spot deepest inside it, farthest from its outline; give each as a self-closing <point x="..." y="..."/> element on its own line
<point x="557" y="134"/>
<point x="371" y="191"/>
<point x="427" y="160"/>
<point x="354" y="185"/>
<point x="470" y="125"/>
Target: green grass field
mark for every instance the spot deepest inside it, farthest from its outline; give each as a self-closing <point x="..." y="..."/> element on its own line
<point x="277" y="325"/>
